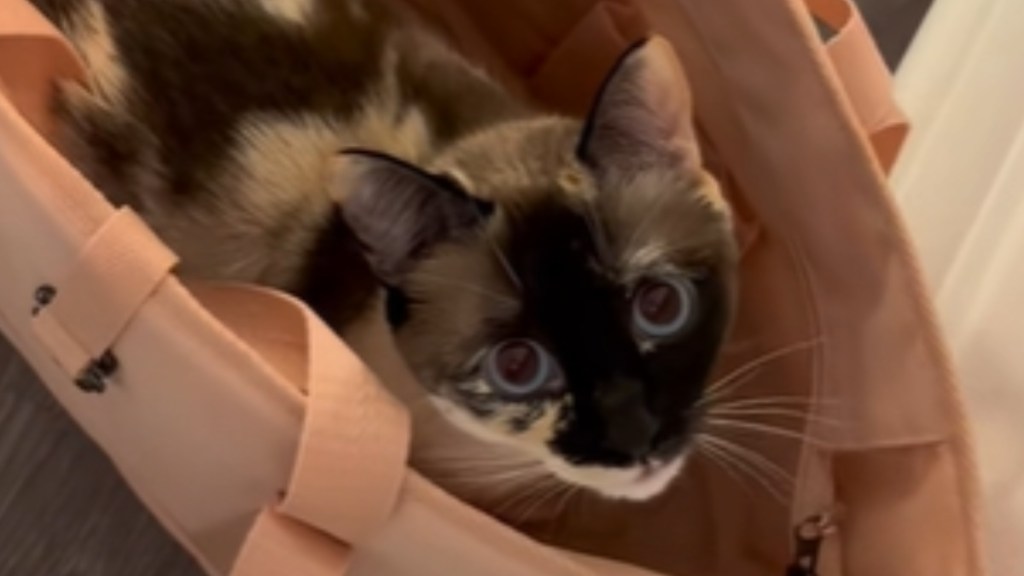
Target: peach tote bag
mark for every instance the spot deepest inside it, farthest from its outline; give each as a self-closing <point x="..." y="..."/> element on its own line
<point x="268" y="446"/>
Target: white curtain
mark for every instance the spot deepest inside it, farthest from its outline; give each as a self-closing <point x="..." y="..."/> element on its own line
<point x="961" y="186"/>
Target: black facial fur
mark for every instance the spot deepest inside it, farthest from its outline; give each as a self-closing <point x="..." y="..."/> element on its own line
<point x="627" y="406"/>
<point x="337" y="282"/>
<point x="396" y="307"/>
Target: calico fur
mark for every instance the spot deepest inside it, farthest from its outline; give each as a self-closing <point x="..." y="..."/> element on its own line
<point x="336" y="149"/>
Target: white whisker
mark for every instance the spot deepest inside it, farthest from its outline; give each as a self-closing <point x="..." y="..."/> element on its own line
<point x="503" y="260"/>
<point x="754" y="458"/>
<point x="470" y="476"/>
<point x="481" y="467"/>
<point x="723" y="386"/>
<point x="538" y="503"/>
<point x="716" y="394"/>
<point x="778" y="401"/>
<point x="764" y="429"/>
<point x="729" y="452"/>
<point x="713" y="453"/>
<point x="524" y="496"/>
<point x="566" y="500"/>
<point x="718" y="411"/>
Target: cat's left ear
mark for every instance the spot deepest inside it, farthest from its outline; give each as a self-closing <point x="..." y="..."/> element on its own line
<point x="643" y="112"/>
<point x="398" y="211"/>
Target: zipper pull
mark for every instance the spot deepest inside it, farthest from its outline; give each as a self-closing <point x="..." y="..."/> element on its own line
<point x="808" y="536"/>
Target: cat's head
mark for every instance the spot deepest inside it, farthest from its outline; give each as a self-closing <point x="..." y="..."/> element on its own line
<point x="560" y="286"/>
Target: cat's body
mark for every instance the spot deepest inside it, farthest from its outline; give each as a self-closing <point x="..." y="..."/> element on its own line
<point x="217" y="121"/>
<point x="560" y="288"/>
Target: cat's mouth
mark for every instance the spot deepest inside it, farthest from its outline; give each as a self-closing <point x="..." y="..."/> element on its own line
<point x="635" y="483"/>
<point x="638" y="482"/>
<point x="651" y="479"/>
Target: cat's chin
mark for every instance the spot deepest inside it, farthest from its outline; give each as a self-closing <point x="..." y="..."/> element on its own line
<point x="635" y="483"/>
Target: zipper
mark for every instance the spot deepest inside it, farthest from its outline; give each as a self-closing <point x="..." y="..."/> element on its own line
<point x="808" y="537"/>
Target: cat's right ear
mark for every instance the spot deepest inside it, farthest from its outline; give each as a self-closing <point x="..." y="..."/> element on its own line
<point x="399" y="211"/>
<point x="643" y="112"/>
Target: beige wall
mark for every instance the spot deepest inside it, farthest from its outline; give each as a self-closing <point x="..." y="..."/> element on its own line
<point x="961" y="184"/>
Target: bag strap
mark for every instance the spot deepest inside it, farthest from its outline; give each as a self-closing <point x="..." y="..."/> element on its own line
<point x="351" y="462"/>
<point x="278" y="545"/>
<point x="864" y="76"/>
<point x="355" y="441"/>
<point x="79" y="317"/>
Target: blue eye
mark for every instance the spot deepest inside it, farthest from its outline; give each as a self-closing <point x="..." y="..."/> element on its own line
<point x="664" y="306"/>
<point x="520" y="368"/>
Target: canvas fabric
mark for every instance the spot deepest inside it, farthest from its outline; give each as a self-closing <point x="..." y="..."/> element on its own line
<point x="267" y="447"/>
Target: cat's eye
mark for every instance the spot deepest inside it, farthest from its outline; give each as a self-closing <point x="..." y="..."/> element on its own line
<point x="664" y="306"/>
<point x="520" y="368"/>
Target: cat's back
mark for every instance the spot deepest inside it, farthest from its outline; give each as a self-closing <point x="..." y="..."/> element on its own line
<point x="192" y="71"/>
<point x="218" y="121"/>
<point x="243" y="44"/>
<point x="214" y="118"/>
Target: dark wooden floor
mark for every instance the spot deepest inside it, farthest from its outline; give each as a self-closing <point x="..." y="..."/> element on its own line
<point x="63" y="509"/>
<point x="893" y="23"/>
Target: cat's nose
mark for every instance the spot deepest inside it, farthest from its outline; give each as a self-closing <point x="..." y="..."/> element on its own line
<point x="669" y="442"/>
<point x="631" y="428"/>
<point x="632" y="434"/>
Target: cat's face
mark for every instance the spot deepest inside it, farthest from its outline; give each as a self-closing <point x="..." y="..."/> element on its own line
<point x="564" y="288"/>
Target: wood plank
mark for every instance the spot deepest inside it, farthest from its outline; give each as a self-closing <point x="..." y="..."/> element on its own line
<point x="63" y="508"/>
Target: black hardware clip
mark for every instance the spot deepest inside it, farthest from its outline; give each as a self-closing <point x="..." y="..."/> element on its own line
<point x="808" y="537"/>
<point x="93" y="378"/>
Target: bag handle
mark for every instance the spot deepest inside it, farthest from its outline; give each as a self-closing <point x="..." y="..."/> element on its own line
<point x="351" y="461"/>
<point x="864" y="76"/>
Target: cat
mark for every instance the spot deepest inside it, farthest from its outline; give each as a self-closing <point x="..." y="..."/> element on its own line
<point x="560" y="287"/>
